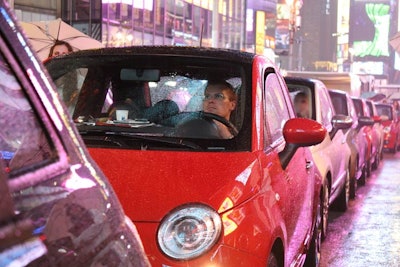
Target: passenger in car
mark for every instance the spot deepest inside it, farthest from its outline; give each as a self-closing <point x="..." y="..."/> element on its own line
<point x="220" y="99"/>
<point x="301" y="105"/>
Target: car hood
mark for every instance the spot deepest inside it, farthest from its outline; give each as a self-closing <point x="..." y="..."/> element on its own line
<point x="150" y="184"/>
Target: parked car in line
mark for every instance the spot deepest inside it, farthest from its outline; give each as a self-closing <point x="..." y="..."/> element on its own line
<point x="391" y="126"/>
<point x="355" y="137"/>
<point x="332" y="156"/>
<point x="361" y="108"/>
<point x="57" y="208"/>
<point x="247" y="198"/>
<point x="377" y="134"/>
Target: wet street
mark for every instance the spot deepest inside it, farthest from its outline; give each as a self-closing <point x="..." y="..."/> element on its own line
<point x="368" y="233"/>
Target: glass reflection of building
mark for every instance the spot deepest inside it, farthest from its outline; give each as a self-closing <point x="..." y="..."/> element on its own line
<point x="173" y="22"/>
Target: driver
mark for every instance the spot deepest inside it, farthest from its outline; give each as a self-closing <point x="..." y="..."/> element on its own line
<point x="220" y="99"/>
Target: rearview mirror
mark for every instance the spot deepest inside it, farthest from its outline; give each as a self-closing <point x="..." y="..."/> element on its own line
<point x="340" y="122"/>
<point x="365" y="121"/>
<point x="145" y="75"/>
<point x="300" y="132"/>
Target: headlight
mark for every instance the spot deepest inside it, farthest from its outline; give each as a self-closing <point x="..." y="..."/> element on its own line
<point x="386" y="129"/>
<point x="189" y="231"/>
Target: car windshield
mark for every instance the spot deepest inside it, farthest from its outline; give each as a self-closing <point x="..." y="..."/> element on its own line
<point x="163" y="98"/>
<point x="384" y="110"/>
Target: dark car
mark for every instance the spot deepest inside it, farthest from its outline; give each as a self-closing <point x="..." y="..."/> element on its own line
<point x="237" y="190"/>
<point x="332" y="156"/>
<point x="355" y="137"/>
<point x="57" y="208"/>
<point x="391" y="126"/>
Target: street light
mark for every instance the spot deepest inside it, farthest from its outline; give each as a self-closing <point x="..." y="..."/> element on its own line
<point x="294" y="24"/>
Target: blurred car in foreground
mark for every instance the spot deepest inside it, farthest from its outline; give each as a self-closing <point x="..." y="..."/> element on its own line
<point x="249" y="198"/>
<point x="391" y="127"/>
<point x="332" y="156"/>
<point x="56" y="208"/>
<point x="355" y="137"/>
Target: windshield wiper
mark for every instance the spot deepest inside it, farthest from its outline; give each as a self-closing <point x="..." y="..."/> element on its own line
<point x="110" y="136"/>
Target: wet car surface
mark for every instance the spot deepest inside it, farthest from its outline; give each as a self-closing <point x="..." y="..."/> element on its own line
<point x="332" y="156"/>
<point x="391" y="127"/>
<point x="250" y="197"/>
<point x="355" y="137"/>
<point x="57" y="208"/>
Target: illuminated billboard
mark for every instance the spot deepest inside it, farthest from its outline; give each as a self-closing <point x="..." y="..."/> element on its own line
<point x="369" y="29"/>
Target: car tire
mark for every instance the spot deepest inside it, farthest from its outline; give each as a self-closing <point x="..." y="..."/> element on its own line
<point x="361" y="180"/>
<point x="342" y="202"/>
<point x="353" y="188"/>
<point x="324" y="198"/>
<point x="272" y="260"/>
<point x="314" y="251"/>
<point x="368" y="169"/>
<point x="353" y="183"/>
<point x="375" y="165"/>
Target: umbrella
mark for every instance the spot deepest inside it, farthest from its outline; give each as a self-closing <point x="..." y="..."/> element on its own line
<point x="43" y="34"/>
<point x="395" y="42"/>
<point x="395" y="96"/>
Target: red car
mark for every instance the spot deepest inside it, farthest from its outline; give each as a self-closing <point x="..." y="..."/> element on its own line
<point x="391" y="124"/>
<point x="203" y="188"/>
<point x="370" y="132"/>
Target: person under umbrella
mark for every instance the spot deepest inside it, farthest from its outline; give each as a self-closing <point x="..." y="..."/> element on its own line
<point x="60" y="48"/>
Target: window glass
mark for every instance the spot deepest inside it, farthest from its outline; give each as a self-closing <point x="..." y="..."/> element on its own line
<point x="276" y="110"/>
<point x="326" y="109"/>
<point x="23" y="144"/>
<point x="164" y="96"/>
<point x="302" y="100"/>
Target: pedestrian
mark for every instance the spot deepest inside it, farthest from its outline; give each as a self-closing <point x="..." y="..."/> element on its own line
<point x="60" y="48"/>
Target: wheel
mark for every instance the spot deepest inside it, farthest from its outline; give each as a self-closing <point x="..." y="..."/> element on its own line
<point x="368" y="169"/>
<point x="375" y="165"/>
<point x="353" y="183"/>
<point x="361" y="181"/>
<point x="272" y="260"/>
<point x="232" y="128"/>
<point x="324" y="197"/>
<point x="342" y="201"/>
<point x="353" y="188"/>
<point x="314" y="251"/>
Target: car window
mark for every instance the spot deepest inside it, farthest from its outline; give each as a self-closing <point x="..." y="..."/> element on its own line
<point x="23" y="144"/>
<point x="385" y="111"/>
<point x="276" y="109"/>
<point x="301" y="97"/>
<point x="358" y="106"/>
<point x="339" y="102"/>
<point x="326" y="109"/>
<point x="158" y="96"/>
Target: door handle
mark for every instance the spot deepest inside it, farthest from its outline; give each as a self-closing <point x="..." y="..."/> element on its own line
<point x="309" y="164"/>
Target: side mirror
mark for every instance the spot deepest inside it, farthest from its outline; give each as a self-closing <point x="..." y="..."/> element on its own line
<point x="300" y="132"/>
<point x="365" y="121"/>
<point x="377" y="119"/>
<point x="340" y="122"/>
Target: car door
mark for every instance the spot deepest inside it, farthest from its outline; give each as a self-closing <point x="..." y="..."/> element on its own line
<point x="294" y="184"/>
<point x="29" y="157"/>
<point x="338" y="149"/>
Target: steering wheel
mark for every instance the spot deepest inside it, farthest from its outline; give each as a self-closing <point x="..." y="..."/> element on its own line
<point x="232" y="128"/>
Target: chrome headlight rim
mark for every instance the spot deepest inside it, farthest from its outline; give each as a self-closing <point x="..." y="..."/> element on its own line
<point x="188" y="214"/>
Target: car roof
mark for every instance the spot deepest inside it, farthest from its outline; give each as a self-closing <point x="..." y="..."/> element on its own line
<point x="182" y="51"/>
